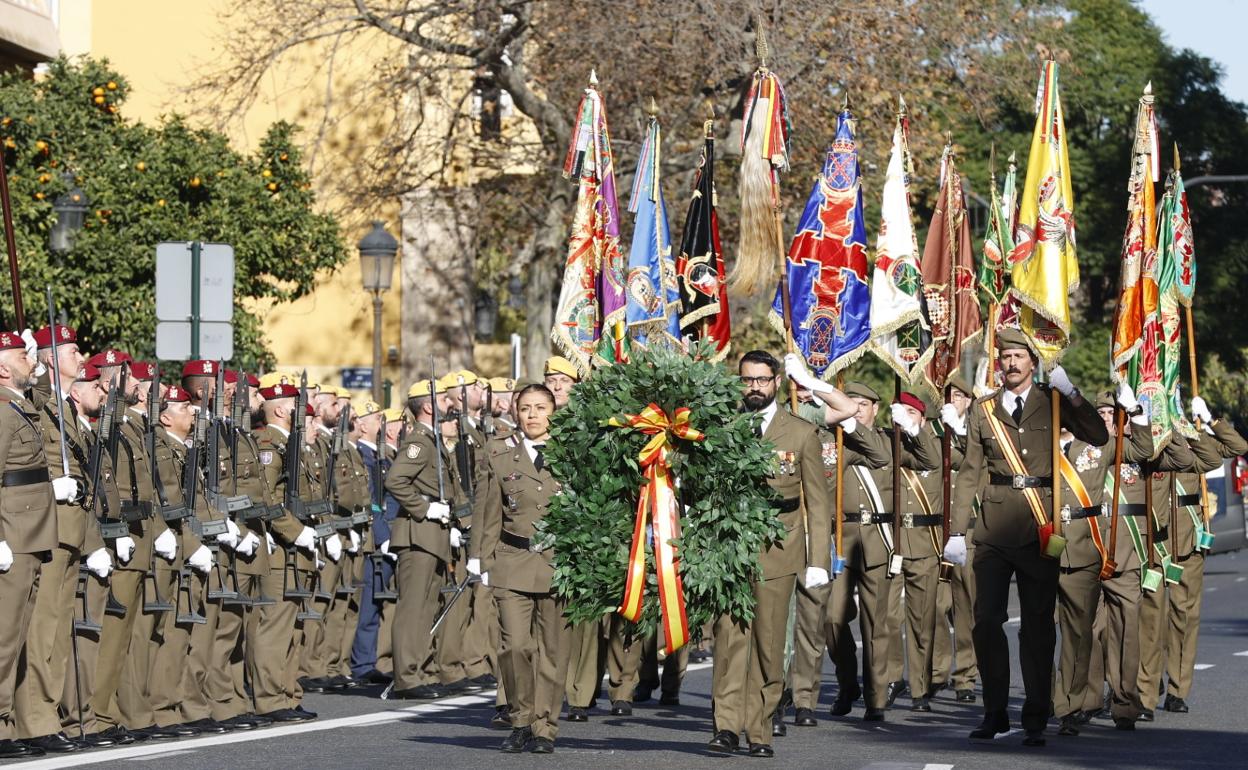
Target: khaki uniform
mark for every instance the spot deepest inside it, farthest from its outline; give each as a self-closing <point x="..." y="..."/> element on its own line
<point x="955" y="605"/>
<point x="533" y="650"/>
<point x="1007" y="544"/>
<point x="749" y="657"/>
<point x="28" y="526"/>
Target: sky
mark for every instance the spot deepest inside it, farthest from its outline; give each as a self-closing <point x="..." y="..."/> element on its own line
<point x="1213" y="28"/>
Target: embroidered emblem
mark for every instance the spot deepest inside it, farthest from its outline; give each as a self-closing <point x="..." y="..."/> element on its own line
<point x="5" y="340"/>
<point x="110" y="357"/>
<point x="64" y="333"/>
<point x="413" y="451"/>
<point x="788" y="464"/>
<point x="207" y="367"/>
<point x="266" y="457"/>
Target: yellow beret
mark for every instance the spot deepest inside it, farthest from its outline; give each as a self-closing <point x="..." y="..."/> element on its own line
<point x="452" y="379"/>
<point x="421" y="388"/>
<point x="560" y="365"/>
<point x="277" y="378"/>
<point x="342" y="392"/>
<point x="393" y="414"/>
<point x="502" y="384"/>
<point x="365" y="407"/>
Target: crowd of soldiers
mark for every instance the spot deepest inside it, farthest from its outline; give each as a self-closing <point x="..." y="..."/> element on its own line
<point x="191" y="559"/>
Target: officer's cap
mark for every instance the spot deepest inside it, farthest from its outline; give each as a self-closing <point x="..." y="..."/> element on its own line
<point x="861" y="390"/>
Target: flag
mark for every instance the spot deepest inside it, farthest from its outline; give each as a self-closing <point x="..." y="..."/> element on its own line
<point x="700" y="266"/>
<point x="764" y="154"/>
<point x="653" y="306"/>
<point x="826" y="269"/>
<point x="1044" y="267"/>
<point x="589" y="318"/>
<point x="949" y="279"/>
<point x="1178" y="218"/>
<point x="1137" y="292"/>
<point x="993" y="276"/>
<point x="901" y="337"/>
<point x="1176" y="283"/>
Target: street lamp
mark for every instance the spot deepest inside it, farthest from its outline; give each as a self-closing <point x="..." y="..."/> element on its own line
<point x="377" y="251"/>
<point x="71" y="211"/>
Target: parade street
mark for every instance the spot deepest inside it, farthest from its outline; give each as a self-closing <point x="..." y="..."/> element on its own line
<point x="359" y="730"/>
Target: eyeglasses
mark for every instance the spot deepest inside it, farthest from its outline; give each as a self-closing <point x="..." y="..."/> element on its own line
<point x="756" y="381"/>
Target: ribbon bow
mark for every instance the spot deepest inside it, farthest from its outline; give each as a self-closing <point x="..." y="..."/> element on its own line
<point x="657" y="496"/>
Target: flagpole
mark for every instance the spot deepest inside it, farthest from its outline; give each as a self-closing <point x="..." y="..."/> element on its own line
<point x="946" y="445"/>
<point x="840" y="484"/>
<point x="1191" y="365"/>
<point x="1108" y="565"/>
<point x="896" y="474"/>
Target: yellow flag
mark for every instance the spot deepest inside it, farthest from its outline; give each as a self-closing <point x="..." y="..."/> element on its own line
<point x="1044" y="266"/>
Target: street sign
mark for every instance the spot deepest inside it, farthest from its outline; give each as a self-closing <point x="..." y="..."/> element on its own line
<point x="195" y="290"/>
<point x="357" y="377"/>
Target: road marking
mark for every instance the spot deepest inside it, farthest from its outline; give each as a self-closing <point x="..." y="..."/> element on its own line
<point x="1203" y="666"/>
<point x="1243" y="654"/>
<point x="1211" y="589"/>
<point x="162" y="755"/>
<point x="1240" y="579"/>
<point x="931" y="766"/>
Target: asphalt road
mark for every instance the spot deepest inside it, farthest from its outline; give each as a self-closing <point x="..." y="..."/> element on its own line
<point x="359" y="730"/>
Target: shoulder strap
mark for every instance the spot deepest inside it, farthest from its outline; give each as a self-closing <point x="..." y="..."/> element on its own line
<point x="1015" y="461"/>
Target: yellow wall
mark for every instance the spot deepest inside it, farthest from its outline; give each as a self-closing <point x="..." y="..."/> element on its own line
<point x="161" y="46"/>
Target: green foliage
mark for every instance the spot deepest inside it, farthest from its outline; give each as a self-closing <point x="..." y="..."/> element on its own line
<point x="147" y="184"/>
<point x="730" y="516"/>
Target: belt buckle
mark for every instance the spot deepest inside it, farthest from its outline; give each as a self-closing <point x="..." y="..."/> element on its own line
<point x="864" y="518"/>
<point x="1065" y="514"/>
<point x="1019" y="481"/>
<point x="907" y="520"/>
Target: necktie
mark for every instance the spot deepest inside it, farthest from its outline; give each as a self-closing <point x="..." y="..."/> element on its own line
<point x="1018" y="411"/>
<point x="539" y="461"/>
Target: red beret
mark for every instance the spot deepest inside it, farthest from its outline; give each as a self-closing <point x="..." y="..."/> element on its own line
<point x="280" y="390"/>
<point x="253" y="381"/>
<point x="200" y="366"/>
<point x="142" y="371"/>
<point x="174" y="393"/>
<point x="231" y="375"/>
<point x="89" y="373"/>
<point x="912" y="401"/>
<point x="309" y="411"/>
<point x="64" y="336"/>
<point x="110" y="357"/>
<point x="11" y="341"/>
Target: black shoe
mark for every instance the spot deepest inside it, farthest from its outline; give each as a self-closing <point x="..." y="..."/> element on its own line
<point x="456" y="687"/>
<point x="97" y="741"/>
<point x="669" y="699"/>
<point x="303" y="714"/>
<point x="484" y="682"/>
<point x="805" y="718"/>
<point x="1081" y="717"/>
<point x="873" y="715"/>
<point x="578" y="714"/>
<point x="1175" y="705"/>
<point x="377" y="677"/>
<point x="641" y="694"/>
<point x="342" y="682"/>
<point x="419" y="692"/>
<point x="965" y="696"/>
<point x="183" y="730"/>
<point x="56" y="743"/>
<point x="621" y="708"/>
<point x="1069" y="724"/>
<point x="697" y="656"/>
<point x="10" y="749"/>
<point x="282" y="716"/>
<point x="894" y="689"/>
<point x="501" y="719"/>
<point x="315" y="684"/>
<point x="992" y="726"/>
<point x="246" y="722"/>
<point x="920" y="704"/>
<point x="1034" y="738"/>
<point x="208" y="726"/>
<point x="778" y="728"/>
<point x="514" y="743"/>
<point x="724" y="742"/>
<point x="116" y="735"/>
<point x="844" y="702"/>
<point x="156" y="733"/>
<point x="761" y="750"/>
<point x="540" y="746"/>
<point x="1124" y="723"/>
<point x="1146" y="715"/>
<point x="935" y="688"/>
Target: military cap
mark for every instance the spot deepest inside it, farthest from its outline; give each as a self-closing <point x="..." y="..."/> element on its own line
<point x="110" y="357"/>
<point x="274" y="378"/>
<point x="142" y="371"/>
<point x="365" y="407"/>
<point x="502" y="384"/>
<point x="421" y="388"/>
<point x="912" y="400"/>
<point x="279" y="390"/>
<point x="393" y="414"/>
<point x="175" y="394"/>
<point x="341" y="392"/>
<point x="11" y="341"/>
<point x="1106" y="399"/>
<point x="308" y="411"/>
<point x="860" y="390"/>
<point x="455" y="379"/>
<point x="231" y="375"/>
<point x="1010" y="337"/>
<point x="200" y="367"/>
<point x="64" y="336"/>
<point x="560" y="365"/>
<point x="88" y="373"/>
<point x="958" y="382"/>
<point x="252" y="380"/>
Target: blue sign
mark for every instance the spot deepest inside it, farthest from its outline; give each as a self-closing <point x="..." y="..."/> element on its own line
<point x="357" y="377"/>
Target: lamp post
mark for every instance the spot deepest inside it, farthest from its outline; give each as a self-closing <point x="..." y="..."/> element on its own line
<point x="377" y="252"/>
<point x="71" y="211"/>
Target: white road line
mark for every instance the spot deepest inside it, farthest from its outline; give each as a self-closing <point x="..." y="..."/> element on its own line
<point x="1211" y="589"/>
<point x="162" y="755"/>
<point x="1240" y="579"/>
<point x="931" y="766"/>
<point x="1243" y="654"/>
<point x="1203" y="666"/>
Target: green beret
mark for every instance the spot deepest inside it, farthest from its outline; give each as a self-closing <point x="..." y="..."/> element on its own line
<point x="861" y="390"/>
<point x="958" y="382"/>
<point x="1010" y="337"/>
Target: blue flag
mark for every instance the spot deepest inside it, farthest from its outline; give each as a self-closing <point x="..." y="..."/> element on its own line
<point x="653" y="307"/>
<point x="826" y="268"/>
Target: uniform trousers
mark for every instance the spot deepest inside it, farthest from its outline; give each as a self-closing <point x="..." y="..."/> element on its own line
<point x="18" y="587"/>
<point x="1116" y="647"/>
<point x="917" y="582"/>
<point x="809" y="642"/>
<point x="378" y="575"/>
<point x="1184" y="626"/>
<point x="872" y="608"/>
<point x="1078" y="594"/>
<point x="586" y="661"/>
<point x="533" y="658"/>
<point x="1154" y="606"/>
<point x="420" y="577"/>
<point x="48" y="648"/>
<point x="75" y="693"/>
<point x="127" y="588"/>
<point x="955" y="604"/>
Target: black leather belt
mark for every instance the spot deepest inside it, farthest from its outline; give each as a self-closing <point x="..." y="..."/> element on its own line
<point x="789" y="505"/>
<point x="1019" y="481"/>
<point x="913" y="520"/>
<point x="113" y="528"/>
<point x="1130" y="509"/>
<point x="1161" y="535"/>
<point x="24" y="477"/>
<point x="515" y="541"/>
<point x="1182" y="500"/>
<point x="135" y="510"/>
<point x="1078" y="512"/>
<point x="867" y="517"/>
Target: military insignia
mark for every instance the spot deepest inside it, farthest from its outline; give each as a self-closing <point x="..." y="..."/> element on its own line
<point x="110" y="357"/>
<point x="413" y="451"/>
<point x="207" y="367"/>
<point x="4" y="340"/>
<point x="829" y="454"/>
<point x="1130" y="473"/>
<point x="266" y="457"/>
<point x="64" y="333"/>
<point x="788" y="464"/>
<point x="1086" y="460"/>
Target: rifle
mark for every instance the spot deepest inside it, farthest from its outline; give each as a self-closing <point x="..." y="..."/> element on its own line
<point x="487" y="414"/>
<point x="170" y="513"/>
<point x="437" y="431"/>
<point x="381" y="591"/>
<point x="56" y="382"/>
<point x="114" y="439"/>
<point x="97" y="501"/>
<point x="220" y="503"/>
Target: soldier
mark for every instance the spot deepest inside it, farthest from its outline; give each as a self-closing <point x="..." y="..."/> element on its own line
<point x="749" y="657"/>
<point x="425" y="486"/>
<point x="28" y="525"/>
<point x="501" y="390"/>
<point x="533" y="652"/>
<point x="1008" y="464"/>
<point x="560" y="376"/>
<point x="955" y="599"/>
<point x="378" y="571"/>
<point x="354" y="499"/>
<point x="49" y="664"/>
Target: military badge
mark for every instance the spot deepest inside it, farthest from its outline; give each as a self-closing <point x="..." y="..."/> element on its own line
<point x="413" y="451"/>
<point x="1130" y="473"/>
<point x="1087" y="459"/>
<point x="266" y="457"/>
<point x="829" y="454"/>
<point x="788" y="462"/>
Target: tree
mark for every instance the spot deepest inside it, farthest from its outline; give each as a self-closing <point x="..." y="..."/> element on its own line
<point x="474" y="90"/>
<point x="147" y="184"/>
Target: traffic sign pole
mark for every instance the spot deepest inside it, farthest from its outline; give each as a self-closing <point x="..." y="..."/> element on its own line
<point x="195" y="247"/>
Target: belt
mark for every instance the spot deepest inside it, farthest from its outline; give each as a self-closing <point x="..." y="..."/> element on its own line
<point x="867" y="517"/>
<point x="789" y="505"/>
<point x="515" y="541"/>
<point x="24" y="477"/>
<point x="1182" y="500"/>
<point x="1079" y="512"/>
<point x="1019" y="481"/>
<point x="1161" y="535"/>
<point x="135" y="510"/>
<point x="1130" y="509"/>
<point x="912" y="520"/>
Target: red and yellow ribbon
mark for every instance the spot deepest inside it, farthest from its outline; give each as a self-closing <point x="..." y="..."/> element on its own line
<point x="657" y="496"/>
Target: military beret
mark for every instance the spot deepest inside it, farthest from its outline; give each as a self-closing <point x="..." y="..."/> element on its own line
<point x="365" y="407"/>
<point x="860" y="390"/>
<point x="421" y="388"/>
<point x="142" y="371"/>
<point x="502" y="384"/>
<point x="252" y="380"/>
<point x="342" y="393"/>
<point x="64" y="336"/>
<point x="308" y="411"/>
<point x="1105" y="399"/>
<point x="175" y="394"/>
<point x="231" y="375"/>
<point x="456" y="379"/>
<point x="1010" y="337"/>
<point x="200" y="367"/>
<point x="560" y="365"/>
<point x="958" y="382"/>
<point x="279" y="390"/>
<point x="273" y="378"/>
<point x="88" y="373"/>
<point x="913" y="401"/>
<point x="110" y="357"/>
<point x="393" y="414"/>
<point x="11" y="341"/>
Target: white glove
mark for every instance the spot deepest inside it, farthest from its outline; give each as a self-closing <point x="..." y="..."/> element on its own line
<point x="384" y="549"/>
<point x="815" y="577"/>
<point x="268" y="541"/>
<point x="901" y="418"/>
<point x="849" y="424"/>
<point x="333" y="548"/>
<point x="439" y="512"/>
<point x="201" y="560"/>
<point x="956" y="422"/>
<point x="125" y="548"/>
<point x="32" y="347"/>
<point x="474" y="566"/>
<point x="306" y="539"/>
<point x="100" y="563"/>
<point x="65" y="489"/>
<point x="457" y="537"/>
<point x="1126" y="398"/>
<point x="354" y="547"/>
<point x="229" y="538"/>
<point x="485" y="579"/>
<point x="248" y="545"/>
<point x="6" y="557"/>
<point x="1061" y="383"/>
<point x="166" y="544"/>
<point x="955" y="550"/>
<point x="795" y="368"/>
<point x="1200" y="410"/>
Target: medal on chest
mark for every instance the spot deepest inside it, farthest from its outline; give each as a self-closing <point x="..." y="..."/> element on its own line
<point x="1087" y="459"/>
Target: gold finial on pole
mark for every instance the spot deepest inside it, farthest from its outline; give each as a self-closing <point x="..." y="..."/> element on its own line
<point x="708" y="126"/>
<point x="1177" y="163"/>
<point x="845" y="101"/>
<point x="901" y="106"/>
<point x="992" y="161"/>
<point x="593" y="77"/>
<point x="760" y="42"/>
<point x="653" y="110"/>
